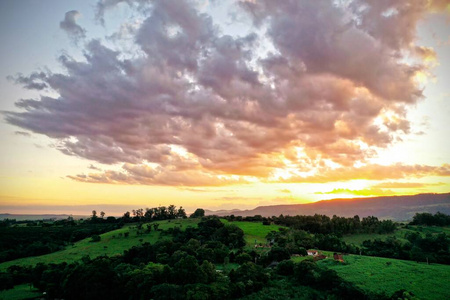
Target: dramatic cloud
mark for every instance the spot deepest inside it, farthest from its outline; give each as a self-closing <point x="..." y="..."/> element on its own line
<point x="373" y="172"/>
<point x="140" y="174"/>
<point x="70" y="26"/>
<point x="405" y="185"/>
<point x="197" y="107"/>
<point x="364" y="192"/>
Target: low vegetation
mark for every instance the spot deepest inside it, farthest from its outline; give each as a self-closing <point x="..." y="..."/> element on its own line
<point x="385" y="275"/>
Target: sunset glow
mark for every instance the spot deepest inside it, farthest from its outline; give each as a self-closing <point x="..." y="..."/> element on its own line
<point x="118" y="105"/>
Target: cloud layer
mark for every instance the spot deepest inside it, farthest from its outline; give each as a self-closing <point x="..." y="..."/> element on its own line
<point x="198" y="107"/>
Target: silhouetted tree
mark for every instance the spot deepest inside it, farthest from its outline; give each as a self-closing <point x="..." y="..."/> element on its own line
<point x="198" y="213"/>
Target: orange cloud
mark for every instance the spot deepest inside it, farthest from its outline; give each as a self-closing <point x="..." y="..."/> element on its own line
<point x="373" y="172"/>
<point x="203" y="108"/>
<point x="405" y="185"/>
<point x="363" y="192"/>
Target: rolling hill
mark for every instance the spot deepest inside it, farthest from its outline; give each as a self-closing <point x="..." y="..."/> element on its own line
<point x="397" y="208"/>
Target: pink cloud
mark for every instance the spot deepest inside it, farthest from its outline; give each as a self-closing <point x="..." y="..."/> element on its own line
<point x="200" y="106"/>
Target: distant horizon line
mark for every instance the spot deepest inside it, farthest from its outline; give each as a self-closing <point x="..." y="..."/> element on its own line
<point x="117" y="210"/>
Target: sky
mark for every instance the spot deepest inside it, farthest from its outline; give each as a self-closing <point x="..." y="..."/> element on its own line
<point x="122" y="104"/>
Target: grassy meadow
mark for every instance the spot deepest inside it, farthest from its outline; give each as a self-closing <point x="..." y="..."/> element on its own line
<point x="112" y="243"/>
<point x="358" y="239"/>
<point x="22" y="291"/>
<point x="254" y="232"/>
<point x="389" y="275"/>
<point x="115" y="242"/>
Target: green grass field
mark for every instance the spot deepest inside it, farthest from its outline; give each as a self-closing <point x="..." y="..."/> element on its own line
<point x="20" y="292"/>
<point x="111" y="243"/>
<point x="358" y="239"/>
<point x="389" y="275"/>
<point x="115" y="243"/>
<point x="254" y="231"/>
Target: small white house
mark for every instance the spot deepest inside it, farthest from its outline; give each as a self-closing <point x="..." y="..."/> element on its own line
<point x="312" y="252"/>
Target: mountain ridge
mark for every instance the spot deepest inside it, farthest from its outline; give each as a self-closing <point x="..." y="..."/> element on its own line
<point x="386" y="207"/>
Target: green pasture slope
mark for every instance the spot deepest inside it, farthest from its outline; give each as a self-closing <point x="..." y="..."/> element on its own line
<point x="389" y="275"/>
<point x="254" y="231"/>
<point x="111" y="243"/>
<point x="358" y="239"/>
<point x="115" y="243"/>
<point x="19" y="292"/>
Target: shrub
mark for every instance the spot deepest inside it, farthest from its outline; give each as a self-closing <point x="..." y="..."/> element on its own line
<point x="95" y="238"/>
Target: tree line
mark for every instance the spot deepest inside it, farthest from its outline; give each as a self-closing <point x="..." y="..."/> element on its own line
<point x="427" y="219"/>
<point x="323" y="224"/>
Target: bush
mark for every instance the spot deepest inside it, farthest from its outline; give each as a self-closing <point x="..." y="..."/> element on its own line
<point x="286" y="268"/>
<point x="95" y="238"/>
<point x="243" y="258"/>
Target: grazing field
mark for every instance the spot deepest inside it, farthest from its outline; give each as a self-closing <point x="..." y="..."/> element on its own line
<point x="358" y="239"/>
<point x="383" y="275"/>
<point x="254" y="231"/>
<point x="20" y="292"/>
<point x="115" y="242"/>
<point x="112" y="243"/>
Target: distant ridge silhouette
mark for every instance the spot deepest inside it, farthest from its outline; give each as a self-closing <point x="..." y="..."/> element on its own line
<point x="397" y="208"/>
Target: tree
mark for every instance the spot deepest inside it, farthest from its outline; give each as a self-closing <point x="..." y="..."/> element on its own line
<point x="102" y="214"/>
<point x="187" y="270"/>
<point x="278" y="254"/>
<point x="149" y="213"/>
<point x="172" y="211"/>
<point x="95" y="238"/>
<point x="199" y="212"/>
<point x="181" y="213"/>
<point x="94" y="214"/>
<point x="126" y="217"/>
<point x="243" y="258"/>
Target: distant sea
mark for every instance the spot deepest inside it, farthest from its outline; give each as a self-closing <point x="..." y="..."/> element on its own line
<point x="19" y="217"/>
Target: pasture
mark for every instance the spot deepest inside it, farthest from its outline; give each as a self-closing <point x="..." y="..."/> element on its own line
<point x="400" y="233"/>
<point x="22" y="291"/>
<point x="255" y="232"/>
<point x="117" y="241"/>
<point x="112" y="243"/>
<point x="384" y="275"/>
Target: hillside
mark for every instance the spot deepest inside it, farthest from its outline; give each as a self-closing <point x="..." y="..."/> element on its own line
<point x="111" y="243"/>
<point x="377" y="274"/>
<point x="115" y="242"/>
<point x="397" y="208"/>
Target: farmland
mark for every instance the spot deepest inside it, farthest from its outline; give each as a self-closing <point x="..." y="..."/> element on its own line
<point x="115" y="242"/>
<point x="254" y="232"/>
<point x="386" y="275"/>
<point x="111" y="243"/>
<point x="370" y="274"/>
<point x="358" y="239"/>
